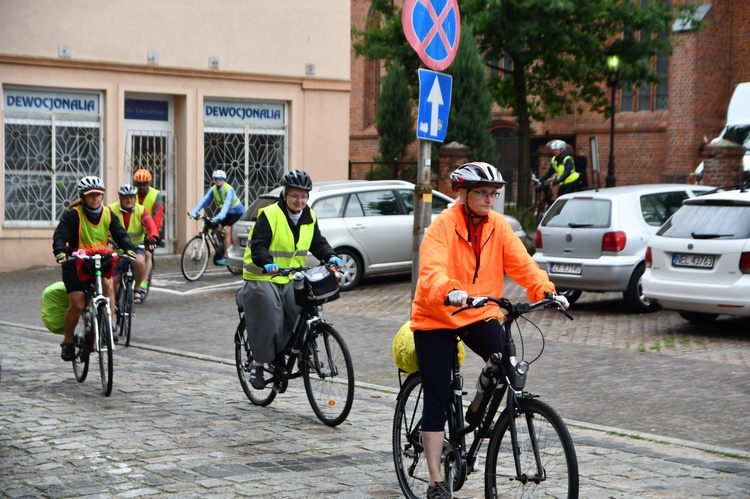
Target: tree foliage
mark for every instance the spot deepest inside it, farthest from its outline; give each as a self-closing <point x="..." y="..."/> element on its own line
<point x="558" y="50"/>
<point x="471" y="101"/>
<point x="395" y="120"/>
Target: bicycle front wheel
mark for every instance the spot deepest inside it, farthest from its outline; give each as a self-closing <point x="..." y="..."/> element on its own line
<point x="328" y="373"/>
<point x="539" y="429"/>
<point x="125" y="308"/>
<point x="195" y="258"/>
<point x="408" y="451"/>
<point x="243" y="358"/>
<point x="105" y="348"/>
<point x="82" y="346"/>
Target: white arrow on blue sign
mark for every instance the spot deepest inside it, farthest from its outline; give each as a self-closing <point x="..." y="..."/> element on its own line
<point x="434" y="105"/>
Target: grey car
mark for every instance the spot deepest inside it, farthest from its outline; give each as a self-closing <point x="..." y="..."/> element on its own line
<point x="368" y="223"/>
<point x="596" y="240"/>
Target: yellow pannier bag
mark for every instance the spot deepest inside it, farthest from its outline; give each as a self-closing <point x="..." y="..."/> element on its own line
<point x="404" y="353"/>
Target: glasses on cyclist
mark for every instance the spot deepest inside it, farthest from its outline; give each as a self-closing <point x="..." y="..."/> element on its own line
<point x="487" y="194"/>
<point x="298" y="197"/>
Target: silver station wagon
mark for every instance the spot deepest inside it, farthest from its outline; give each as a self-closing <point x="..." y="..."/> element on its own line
<point x="596" y="240"/>
<point x="368" y="223"/>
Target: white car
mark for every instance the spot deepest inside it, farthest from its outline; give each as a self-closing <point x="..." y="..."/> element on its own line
<point x="699" y="261"/>
<point x="596" y="240"/>
<point x="369" y="224"/>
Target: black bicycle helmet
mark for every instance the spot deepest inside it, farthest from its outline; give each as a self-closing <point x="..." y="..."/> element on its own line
<point x="298" y="179"/>
<point x="127" y="190"/>
<point x="90" y="184"/>
<point x="476" y="174"/>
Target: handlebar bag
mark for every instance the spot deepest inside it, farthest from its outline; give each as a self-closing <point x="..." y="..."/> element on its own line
<point x="87" y="268"/>
<point x="320" y="285"/>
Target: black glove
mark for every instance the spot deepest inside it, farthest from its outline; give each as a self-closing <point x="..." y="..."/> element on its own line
<point x="60" y="257"/>
<point x="153" y="243"/>
<point x="131" y="254"/>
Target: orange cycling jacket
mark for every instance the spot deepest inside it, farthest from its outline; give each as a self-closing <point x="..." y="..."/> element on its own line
<point x="447" y="262"/>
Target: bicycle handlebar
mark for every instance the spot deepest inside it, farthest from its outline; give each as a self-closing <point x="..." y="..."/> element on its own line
<point x="81" y="254"/>
<point x="513" y="310"/>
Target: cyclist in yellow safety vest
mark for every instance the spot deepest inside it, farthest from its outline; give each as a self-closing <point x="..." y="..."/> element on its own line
<point x="231" y="208"/>
<point x="139" y="224"/>
<point x="86" y="226"/>
<point x="283" y="234"/>
<point x="563" y="166"/>
<point x="150" y="198"/>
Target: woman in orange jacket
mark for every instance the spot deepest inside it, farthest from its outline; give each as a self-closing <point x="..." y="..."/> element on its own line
<point x="466" y="251"/>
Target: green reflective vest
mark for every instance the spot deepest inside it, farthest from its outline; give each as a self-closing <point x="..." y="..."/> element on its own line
<point x="282" y="248"/>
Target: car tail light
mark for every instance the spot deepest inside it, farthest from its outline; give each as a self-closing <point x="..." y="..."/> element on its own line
<point x="745" y="263"/>
<point x="614" y="241"/>
<point x="649" y="258"/>
<point x="538" y="239"/>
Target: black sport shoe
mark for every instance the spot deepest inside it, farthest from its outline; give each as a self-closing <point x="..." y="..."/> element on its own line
<point x="68" y="351"/>
<point x="256" y="376"/>
<point x="439" y="491"/>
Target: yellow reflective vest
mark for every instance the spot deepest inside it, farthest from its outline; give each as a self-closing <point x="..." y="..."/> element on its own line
<point x="559" y="168"/>
<point x="93" y="236"/>
<point x="282" y="248"/>
<point x="135" y="228"/>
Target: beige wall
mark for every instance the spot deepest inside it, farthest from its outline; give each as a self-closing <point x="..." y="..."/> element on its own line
<point x="262" y="47"/>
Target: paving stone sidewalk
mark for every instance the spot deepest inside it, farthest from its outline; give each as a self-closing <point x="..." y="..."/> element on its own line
<point x="180" y="426"/>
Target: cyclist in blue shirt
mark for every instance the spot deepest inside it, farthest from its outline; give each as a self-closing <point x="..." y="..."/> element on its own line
<point x="231" y="208"/>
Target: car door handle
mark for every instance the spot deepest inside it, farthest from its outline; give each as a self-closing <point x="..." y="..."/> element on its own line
<point x="358" y="227"/>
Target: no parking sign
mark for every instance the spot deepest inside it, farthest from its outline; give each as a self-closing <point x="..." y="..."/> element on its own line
<point x="433" y="29"/>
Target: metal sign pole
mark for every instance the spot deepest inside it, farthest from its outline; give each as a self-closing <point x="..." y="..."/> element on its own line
<point x="422" y="206"/>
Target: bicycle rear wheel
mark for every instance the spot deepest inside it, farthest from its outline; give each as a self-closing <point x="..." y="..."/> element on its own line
<point x="125" y="308"/>
<point x="82" y="346"/>
<point x="536" y="422"/>
<point x="328" y="373"/>
<point x="408" y="451"/>
<point x="195" y="258"/>
<point x="243" y="358"/>
<point x="105" y="348"/>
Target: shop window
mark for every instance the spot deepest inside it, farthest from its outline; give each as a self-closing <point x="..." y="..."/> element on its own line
<point x="46" y="152"/>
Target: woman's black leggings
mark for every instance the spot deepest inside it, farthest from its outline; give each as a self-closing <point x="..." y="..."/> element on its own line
<point x="435" y="357"/>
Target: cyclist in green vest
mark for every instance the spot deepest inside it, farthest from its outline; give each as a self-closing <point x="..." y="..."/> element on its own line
<point x="230" y="205"/>
<point x="563" y="166"/>
<point x="86" y="226"/>
<point x="150" y="198"/>
<point x="142" y="230"/>
<point x="282" y="236"/>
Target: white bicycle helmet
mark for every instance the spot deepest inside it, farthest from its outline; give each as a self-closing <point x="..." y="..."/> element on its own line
<point x="557" y="145"/>
<point x="90" y="184"/>
<point x="476" y="174"/>
<point x="219" y="175"/>
<point x="127" y="190"/>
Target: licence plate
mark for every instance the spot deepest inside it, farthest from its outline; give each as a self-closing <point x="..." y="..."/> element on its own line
<point x="693" y="261"/>
<point x="565" y="268"/>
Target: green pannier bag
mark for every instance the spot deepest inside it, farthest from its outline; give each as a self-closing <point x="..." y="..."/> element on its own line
<point x="54" y="304"/>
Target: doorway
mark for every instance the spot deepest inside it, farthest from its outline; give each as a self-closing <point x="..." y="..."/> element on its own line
<point x="149" y="144"/>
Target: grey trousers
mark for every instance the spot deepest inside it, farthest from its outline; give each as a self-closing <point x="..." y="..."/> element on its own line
<point x="270" y="316"/>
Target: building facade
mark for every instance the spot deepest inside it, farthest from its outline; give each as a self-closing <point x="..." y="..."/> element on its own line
<point x="658" y="130"/>
<point x="180" y="88"/>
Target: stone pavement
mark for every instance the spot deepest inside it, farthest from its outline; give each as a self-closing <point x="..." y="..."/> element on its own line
<point x="179" y="425"/>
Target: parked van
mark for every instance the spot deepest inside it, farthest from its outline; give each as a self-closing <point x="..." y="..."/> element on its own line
<point x="737" y="129"/>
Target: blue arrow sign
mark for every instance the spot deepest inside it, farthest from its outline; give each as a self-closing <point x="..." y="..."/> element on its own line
<point x="434" y="105"/>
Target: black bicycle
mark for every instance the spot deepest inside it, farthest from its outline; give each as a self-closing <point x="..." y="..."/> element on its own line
<point x="197" y="252"/>
<point x="543" y="199"/>
<point x="316" y="351"/>
<point x="125" y="300"/>
<point x="530" y="451"/>
<point x="93" y="332"/>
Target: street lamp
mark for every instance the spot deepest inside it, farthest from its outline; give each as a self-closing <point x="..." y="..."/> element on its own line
<point x="613" y="63"/>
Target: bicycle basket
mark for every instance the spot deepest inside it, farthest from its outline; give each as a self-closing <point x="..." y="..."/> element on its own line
<point x="87" y="268"/>
<point x="317" y="286"/>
